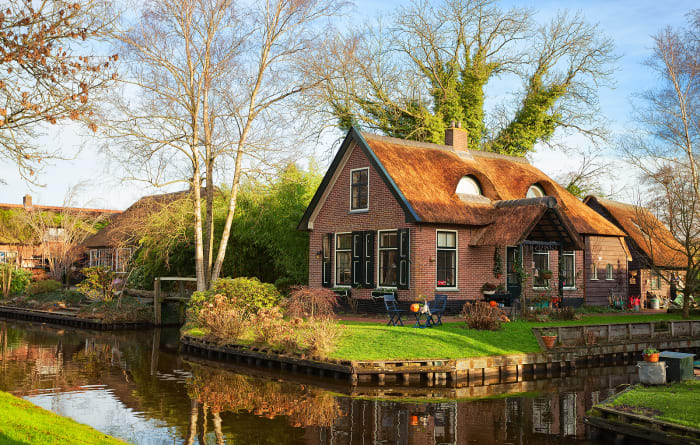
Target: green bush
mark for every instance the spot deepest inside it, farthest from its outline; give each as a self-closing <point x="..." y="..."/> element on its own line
<point x="248" y="294"/>
<point x="19" y="280"/>
<point x="42" y="287"/>
<point x="98" y="283"/>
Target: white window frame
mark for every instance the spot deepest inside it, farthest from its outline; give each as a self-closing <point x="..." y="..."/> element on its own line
<point x="335" y="257"/>
<point x="7" y="256"/>
<point x="655" y="276"/>
<point x="366" y="209"/>
<point x="379" y="257"/>
<point x="609" y="272"/>
<point x="549" y="267"/>
<point x="117" y="258"/>
<point x="537" y="190"/>
<point x="572" y="254"/>
<point x="594" y="270"/>
<point x="456" y="249"/>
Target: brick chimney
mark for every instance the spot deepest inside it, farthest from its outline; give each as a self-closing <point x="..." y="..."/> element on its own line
<point x="27" y="202"/>
<point x="456" y="137"/>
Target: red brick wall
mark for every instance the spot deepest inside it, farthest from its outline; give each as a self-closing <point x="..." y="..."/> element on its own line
<point x="474" y="264"/>
<point x="553" y="288"/>
<point x="605" y="250"/>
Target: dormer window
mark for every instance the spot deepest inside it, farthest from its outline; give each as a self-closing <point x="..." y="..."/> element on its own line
<point x="359" y="189"/>
<point x="535" y="191"/>
<point x="468" y="185"/>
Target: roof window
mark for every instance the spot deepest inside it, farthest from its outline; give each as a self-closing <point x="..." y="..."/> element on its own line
<point x="468" y="185"/>
<point x="535" y="191"/>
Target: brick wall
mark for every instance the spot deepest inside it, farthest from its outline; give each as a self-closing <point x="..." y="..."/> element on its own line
<point x="474" y="264"/>
<point x="575" y="293"/>
<point x="604" y="250"/>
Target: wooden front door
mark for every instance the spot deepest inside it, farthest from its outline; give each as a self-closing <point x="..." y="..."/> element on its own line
<point x="513" y="258"/>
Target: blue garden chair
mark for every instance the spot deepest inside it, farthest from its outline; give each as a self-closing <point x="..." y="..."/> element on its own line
<point x="393" y="310"/>
<point x="437" y="309"/>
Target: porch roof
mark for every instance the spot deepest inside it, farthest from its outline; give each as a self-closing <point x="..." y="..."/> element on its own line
<point x="536" y="219"/>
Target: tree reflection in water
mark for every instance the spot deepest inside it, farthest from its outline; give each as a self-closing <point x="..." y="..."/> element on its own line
<point x="215" y="391"/>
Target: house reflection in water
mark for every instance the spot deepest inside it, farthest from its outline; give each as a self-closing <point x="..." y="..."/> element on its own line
<point x="512" y="420"/>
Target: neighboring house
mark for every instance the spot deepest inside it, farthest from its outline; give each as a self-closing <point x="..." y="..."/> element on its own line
<point x="19" y="245"/>
<point x="113" y="245"/>
<point x="424" y="218"/>
<point x="655" y="255"/>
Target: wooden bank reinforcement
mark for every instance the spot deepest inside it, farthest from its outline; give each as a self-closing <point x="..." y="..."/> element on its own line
<point x="66" y="319"/>
<point x="615" y="349"/>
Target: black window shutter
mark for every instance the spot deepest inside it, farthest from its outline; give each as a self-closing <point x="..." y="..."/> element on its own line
<point x="326" y="270"/>
<point x="357" y="258"/>
<point x="404" y="258"/>
<point x="369" y="259"/>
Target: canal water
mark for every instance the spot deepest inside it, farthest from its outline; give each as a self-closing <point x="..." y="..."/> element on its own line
<point x="136" y="386"/>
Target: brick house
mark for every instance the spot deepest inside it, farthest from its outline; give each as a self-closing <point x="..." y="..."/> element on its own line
<point x="424" y="218"/>
<point x="656" y="257"/>
<point x="20" y="245"/>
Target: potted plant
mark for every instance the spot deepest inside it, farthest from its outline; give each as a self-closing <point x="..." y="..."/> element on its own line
<point x="650" y="355"/>
<point x="488" y="289"/>
<point x="549" y="338"/>
<point x="546" y="274"/>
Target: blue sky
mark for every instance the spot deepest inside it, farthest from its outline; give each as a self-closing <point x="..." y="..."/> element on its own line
<point x="629" y="23"/>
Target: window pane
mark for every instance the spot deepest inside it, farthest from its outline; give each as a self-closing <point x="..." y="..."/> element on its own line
<point x="388" y="269"/>
<point x="568" y="269"/>
<point x="446" y="240"/>
<point x="609" y="272"/>
<point x="344" y="241"/>
<point x="343" y="261"/>
<point x="446" y="260"/>
<point x="594" y="271"/>
<point x="541" y="260"/>
<point x="358" y="190"/>
<point x="389" y="239"/>
<point x="326" y="248"/>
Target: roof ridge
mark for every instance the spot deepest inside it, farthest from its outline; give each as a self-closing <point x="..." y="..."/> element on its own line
<point x="618" y="203"/>
<point x="42" y="206"/>
<point x="448" y="148"/>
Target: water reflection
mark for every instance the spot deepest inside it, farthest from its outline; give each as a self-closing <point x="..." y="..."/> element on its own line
<point x="136" y="386"/>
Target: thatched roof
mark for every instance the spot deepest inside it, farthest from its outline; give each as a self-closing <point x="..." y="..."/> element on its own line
<point x="123" y="228"/>
<point x="649" y="235"/>
<point x="423" y="178"/>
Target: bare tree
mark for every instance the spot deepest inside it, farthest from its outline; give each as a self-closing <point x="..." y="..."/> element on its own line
<point x="48" y="74"/>
<point x="665" y="146"/>
<point x="207" y="85"/>
<point x="588" y="177"/>
<point x="60" y="233"/>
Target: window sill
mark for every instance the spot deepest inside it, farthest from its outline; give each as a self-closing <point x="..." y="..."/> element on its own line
<point x="594" y="279"/>
<point x="343" y="286"/>
<point x="610" y="279"/>
<point x="447" y="289"/>
<point x="540" y="288"/>
<point x="569" y="288"/>
<point x="359" y="211"/>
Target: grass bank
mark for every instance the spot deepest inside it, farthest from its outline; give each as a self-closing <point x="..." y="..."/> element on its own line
<point x="374" y="341"/>
<point x="23" y="423"/>
<point x="676" y="403"/>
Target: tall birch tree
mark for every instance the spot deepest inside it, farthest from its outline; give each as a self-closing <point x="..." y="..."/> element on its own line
<point x="205" y="93"/>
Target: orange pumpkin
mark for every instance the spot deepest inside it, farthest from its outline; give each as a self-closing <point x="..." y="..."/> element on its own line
<point x="493" y="303"/>
<point x="415" y="307"/>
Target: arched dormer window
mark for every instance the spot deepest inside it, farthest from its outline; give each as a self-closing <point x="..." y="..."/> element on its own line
<point x="535" y="191"/>
<point x="468" y="185"/>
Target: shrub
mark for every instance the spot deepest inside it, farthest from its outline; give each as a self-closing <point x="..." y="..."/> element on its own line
<point x="98" y="283"/>
<point x="268" y="326"/>
<point x="43" y="287"/>
<point x="304" y="301"/>
<point x="321" y="336"/>
<point x="249" y="294"/>
<point x="13" y="279"/>
<point x="224" y="320"/>
<point x="480" y="315"/>
<point x="566" y="313"/>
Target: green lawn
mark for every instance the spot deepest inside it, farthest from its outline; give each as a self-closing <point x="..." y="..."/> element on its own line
<point x="373" y="341"/>
<point x="23" y="423"/>
<point x="677" y="403"/>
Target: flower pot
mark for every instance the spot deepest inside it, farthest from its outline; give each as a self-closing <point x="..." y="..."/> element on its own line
<point x="651" y="358"/>
<point x="488" y="292"/>
<point x="546" y="275"/>
<point x="549" y="340"/>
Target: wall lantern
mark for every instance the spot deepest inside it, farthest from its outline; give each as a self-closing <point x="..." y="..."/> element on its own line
<point x="319" y="254"/>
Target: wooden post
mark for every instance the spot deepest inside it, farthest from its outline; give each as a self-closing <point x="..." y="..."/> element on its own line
<point x="156" y="302"/>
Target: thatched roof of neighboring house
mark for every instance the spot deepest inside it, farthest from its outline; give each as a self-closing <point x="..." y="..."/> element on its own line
<point x="423" y="178"/>
<point x="123" y="229"/>
<point x="651" y="237"/>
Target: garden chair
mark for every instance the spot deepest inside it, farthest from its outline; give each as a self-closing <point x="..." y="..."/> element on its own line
<point x="393" y="310"/>
<point x="437" y="309"/>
